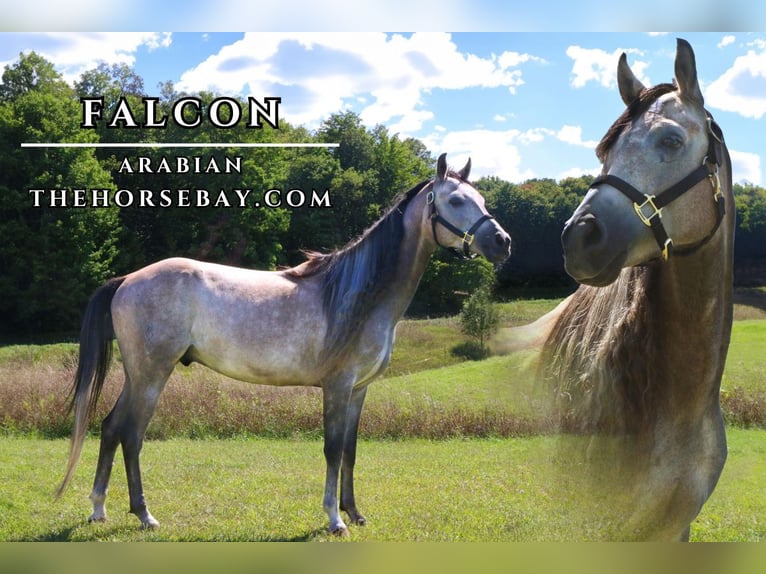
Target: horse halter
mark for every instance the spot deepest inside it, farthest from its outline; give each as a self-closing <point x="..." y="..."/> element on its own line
<point x="649" y="207"/>
<point x="467" y="236"/>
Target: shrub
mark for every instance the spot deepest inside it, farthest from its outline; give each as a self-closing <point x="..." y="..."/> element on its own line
<point x="480" y="317"/>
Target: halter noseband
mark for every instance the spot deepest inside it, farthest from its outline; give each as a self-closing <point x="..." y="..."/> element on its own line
<point x="649" y="207"/>
<point x="467" y="236"/>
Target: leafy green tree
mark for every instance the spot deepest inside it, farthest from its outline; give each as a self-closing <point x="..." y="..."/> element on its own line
<point x="534" y="214"/>
<point x="313" y="229"/>
<point x="480" y="317"/>
<point x="446" y="283"/>
<point x="51" y="258"/>
<point x="356" y="144"/>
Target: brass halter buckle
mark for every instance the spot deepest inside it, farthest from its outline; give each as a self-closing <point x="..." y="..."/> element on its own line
<point x="647" y="219"/>
<point x="666" y="248"/>
<point x="715" y="181"/>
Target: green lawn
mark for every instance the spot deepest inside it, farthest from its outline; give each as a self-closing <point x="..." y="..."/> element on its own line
<point x="746" y="361"/>
<point x="266" y="483"/>
<point x="411" y="490"/>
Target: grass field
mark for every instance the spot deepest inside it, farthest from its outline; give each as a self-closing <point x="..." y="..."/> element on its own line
<point x="413" y="490"/>
<point x="451" y="449"/>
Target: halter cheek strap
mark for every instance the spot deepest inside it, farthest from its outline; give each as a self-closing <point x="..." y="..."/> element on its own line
<point x="466" y="236"/>
<point x="648" y="207"/>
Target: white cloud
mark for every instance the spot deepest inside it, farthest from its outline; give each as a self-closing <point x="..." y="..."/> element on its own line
<point x="491" y="152"/>
<point x="573" y="135"/>
<point x="317" y="73"/>
<point x="746" y="166"/>
<point x="159" y="40"/>
<point x="596" y="65"/>
<point x="500" y="152"/>
<point x="72" y="53"/>
<point x="741" y="88"/>
<point x="726" y="40"/>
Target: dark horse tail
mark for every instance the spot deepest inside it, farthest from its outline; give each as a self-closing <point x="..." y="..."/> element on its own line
<point x="96" y="337"/>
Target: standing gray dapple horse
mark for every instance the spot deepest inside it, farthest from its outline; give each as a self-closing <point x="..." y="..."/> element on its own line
<point x="327" y="323"/>
<point x="637" y="353"/>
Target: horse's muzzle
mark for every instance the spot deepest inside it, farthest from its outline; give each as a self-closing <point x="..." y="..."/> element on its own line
<point x="589" y="257"/>
<point x="499" y="248"/>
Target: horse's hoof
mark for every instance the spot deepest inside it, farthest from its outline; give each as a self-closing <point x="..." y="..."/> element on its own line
<point x="355" y="517"/>
<point x="93" y="518"/>
<point x="340" y="532"/>
<point x="149" y="524"/>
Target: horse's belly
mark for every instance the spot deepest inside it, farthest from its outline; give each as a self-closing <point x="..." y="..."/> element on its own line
<point x="262" y="366"/>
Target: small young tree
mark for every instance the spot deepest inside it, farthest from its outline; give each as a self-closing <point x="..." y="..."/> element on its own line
<point x="479" y="318"/>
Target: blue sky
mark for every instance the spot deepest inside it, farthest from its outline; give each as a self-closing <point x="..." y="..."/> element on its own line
<point x="521" y="104"/>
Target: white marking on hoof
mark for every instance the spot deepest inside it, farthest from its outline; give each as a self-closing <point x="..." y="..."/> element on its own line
<point x="149" y="522"/>
<point x="99" y="508"/>
<point x="340" y="531"/>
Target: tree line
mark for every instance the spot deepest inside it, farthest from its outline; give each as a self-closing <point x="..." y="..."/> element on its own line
<point x="52" y="258"/>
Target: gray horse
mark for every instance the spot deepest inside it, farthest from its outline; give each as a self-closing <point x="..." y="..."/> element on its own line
<point x="638" y="352"/>
<point x="327" y="323"/>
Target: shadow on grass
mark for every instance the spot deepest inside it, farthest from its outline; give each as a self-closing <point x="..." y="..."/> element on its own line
<point x="121" y="533"/>
<point x="62" y="535"/>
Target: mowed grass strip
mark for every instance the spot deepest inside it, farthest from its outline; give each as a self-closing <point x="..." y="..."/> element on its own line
<point x="410" y="490"/>
<point x="271" y="490"/>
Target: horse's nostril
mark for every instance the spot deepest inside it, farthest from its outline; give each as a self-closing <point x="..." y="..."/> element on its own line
<point x="584" y="232"/>
<point x="591" y="231"/>
<point x="502" y="239"/>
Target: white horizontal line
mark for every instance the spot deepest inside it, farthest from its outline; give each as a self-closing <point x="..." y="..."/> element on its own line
<point x="177" y="144"/>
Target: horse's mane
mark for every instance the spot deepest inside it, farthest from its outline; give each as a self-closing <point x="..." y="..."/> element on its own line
<point x="600" y="353"/>
<point x="636" y="109"/>
<point x="354" y="276"/>
<point x="600" y="357"/>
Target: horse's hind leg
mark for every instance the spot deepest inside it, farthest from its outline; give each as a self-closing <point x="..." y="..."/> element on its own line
<point x="139" y="410"/>
<point x="347" y="500"/>
<point x="110" y="438"/>
<point x="126" y="425"/>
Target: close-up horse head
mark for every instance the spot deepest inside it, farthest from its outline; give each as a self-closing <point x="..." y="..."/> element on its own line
<point x="637" y="353"/>
<point x="659" y="190"/>
<point x="459" y="219"/>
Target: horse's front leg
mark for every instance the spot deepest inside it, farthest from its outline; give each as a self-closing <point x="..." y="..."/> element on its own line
<point x="347" y="500"/>
<point x="336" y="394"/>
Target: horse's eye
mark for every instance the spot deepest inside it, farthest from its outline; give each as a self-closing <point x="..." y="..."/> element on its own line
<point x="456" y="201"/>
<point x="672" y="142"/>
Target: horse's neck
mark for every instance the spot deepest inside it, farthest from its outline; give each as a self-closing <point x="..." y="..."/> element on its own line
<point x="416" y="249"/>
<point x="693" y="312"/>
<point x="696" y="289"/>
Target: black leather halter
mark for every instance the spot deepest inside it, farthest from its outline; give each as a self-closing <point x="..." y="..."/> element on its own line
<point x="467" y="236"/>
<point x="649" y="207"/>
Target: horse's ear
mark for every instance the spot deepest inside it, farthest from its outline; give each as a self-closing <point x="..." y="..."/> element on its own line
<point x="630" y="86"/>
<point x="441" y="167"/>
<point x="466" y="171"/>
<point x="686" y="72"/>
